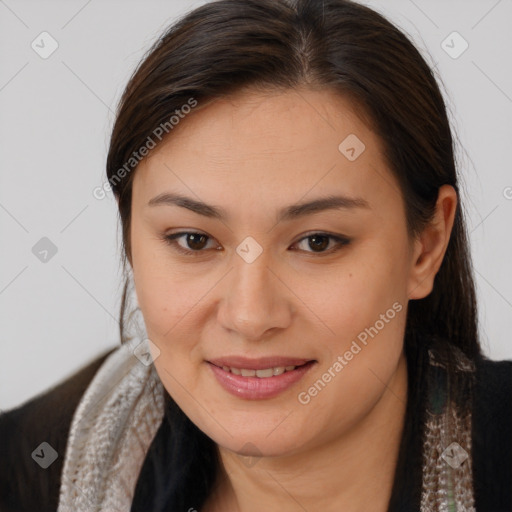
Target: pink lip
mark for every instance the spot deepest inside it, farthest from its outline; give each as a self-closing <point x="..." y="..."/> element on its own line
<point x="256" y="388"/>
<point x="257" y="364"/>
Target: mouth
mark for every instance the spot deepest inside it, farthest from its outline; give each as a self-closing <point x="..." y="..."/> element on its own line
<point x="259" y="378"/>
<point x="263" y="373"/>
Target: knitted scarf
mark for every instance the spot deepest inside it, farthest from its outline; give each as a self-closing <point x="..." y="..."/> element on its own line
<point x="123" y="407"/>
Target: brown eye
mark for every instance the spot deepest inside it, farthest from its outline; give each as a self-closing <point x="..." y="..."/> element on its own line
<point x="193" y="243"/>
<point x="319" y="242"/>
<point x="196" y="241"/>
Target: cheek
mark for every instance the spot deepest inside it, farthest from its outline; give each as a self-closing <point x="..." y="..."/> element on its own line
<point x="367" y="314"/>
<point x="166" y="295"/>
<point x="167" y="304"/>
<point x="355" y="297"/>
<point x="153" y="295"/>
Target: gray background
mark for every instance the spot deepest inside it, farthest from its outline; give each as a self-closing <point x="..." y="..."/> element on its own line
<point x="56" y="116"/>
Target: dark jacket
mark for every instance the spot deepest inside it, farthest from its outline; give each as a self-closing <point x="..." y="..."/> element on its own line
<point x="26" y="487"/>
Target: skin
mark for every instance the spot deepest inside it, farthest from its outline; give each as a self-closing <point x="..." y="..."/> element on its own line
<point x="253" y="154"/>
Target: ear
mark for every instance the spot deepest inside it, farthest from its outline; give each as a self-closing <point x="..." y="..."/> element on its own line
<point x="430" y="246"/>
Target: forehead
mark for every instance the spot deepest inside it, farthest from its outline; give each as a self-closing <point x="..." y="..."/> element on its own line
<point x="272" y="121"/>
<point x="274" y="143"/>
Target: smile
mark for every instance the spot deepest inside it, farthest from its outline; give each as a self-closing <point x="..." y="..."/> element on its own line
<point x="262" y="374"/>
<point x="265" y="382"/>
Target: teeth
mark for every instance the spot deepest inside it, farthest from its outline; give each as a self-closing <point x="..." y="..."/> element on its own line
<point x="265" y="373"/>
<point x="262" y="374"/>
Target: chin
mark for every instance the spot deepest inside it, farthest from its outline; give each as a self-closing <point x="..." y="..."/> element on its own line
<point x="253" y="442"/>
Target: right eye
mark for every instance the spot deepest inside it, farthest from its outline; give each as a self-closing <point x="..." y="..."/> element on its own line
<point x="195" y="242"/>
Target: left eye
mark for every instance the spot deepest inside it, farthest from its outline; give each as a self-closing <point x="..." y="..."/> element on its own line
<point x="320" y="241"/>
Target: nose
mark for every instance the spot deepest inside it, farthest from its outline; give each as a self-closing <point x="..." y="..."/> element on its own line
<point x="256" y="302"/>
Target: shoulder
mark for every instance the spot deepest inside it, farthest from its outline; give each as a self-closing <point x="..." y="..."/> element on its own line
<point x="493" y="393"/>
<point x="25" y="483"/>
<point x="492" y="435"/>
<point x="492" y="372"/>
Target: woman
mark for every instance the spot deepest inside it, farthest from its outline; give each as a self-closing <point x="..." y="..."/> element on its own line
<point x="293" y="231"/>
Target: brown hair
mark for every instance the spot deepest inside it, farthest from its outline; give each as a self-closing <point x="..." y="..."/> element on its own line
<point x="226" y="45"/>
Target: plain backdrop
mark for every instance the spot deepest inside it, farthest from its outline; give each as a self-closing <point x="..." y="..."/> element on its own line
<point x="56" y="114"/>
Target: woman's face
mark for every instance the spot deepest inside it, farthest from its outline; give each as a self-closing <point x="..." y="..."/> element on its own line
<point x="276" y="276"/>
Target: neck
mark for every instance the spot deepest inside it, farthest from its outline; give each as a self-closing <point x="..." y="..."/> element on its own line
<point x="353" y="473"/>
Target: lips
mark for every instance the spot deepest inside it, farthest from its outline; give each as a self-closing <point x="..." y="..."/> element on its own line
<point x="262" y="363"/>
<point x="262" y="374"/>
<point x="256" y="379"/>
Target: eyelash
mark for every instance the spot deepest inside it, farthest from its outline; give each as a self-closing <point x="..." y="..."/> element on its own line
<point x="172" y="241"/>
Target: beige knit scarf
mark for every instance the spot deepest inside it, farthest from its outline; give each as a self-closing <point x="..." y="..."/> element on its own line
<point x="123" y="407"/>
<point x="111" y="431"/>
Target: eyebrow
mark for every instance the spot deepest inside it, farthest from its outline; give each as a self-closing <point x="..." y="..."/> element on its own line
<point x="291" y="212"/>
